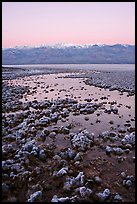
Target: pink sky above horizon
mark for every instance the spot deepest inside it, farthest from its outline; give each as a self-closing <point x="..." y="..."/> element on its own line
<point x="36" y="23"/>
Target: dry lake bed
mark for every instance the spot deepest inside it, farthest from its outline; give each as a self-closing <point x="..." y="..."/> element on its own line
<point x="68" y="136"/>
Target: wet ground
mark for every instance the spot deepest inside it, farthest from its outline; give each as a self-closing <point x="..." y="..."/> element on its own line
<point x="58" y="126"/>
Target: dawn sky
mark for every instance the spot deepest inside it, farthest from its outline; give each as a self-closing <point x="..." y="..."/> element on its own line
<point x="36" y="23"/>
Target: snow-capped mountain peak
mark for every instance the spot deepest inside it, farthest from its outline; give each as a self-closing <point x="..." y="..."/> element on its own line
<point x="69" y="53"/>
<point x="64" y="45"/>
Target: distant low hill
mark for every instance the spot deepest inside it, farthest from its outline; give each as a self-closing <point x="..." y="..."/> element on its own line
<point x="70" y="54"/>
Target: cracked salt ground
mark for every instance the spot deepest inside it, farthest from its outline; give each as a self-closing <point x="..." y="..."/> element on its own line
<point x="60" y="144"/>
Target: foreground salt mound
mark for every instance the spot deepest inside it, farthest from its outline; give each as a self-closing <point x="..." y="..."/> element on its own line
<point x="102" y="196"/>
<point x="84" y="191"/>
<point x="129" y="139"/>
<point x="35" y="197"/>
<point x="82" y="141"/>
<point x="64" y="199"/>
<point x="74" y="181"/>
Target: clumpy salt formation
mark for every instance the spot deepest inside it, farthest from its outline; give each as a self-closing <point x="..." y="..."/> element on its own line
<point x="65" y="141"/>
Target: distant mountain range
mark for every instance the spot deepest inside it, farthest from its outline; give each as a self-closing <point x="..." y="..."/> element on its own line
<point x="70" y="54"/>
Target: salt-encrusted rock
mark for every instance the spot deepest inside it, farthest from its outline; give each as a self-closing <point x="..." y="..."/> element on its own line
<point x="103" y="196"/>
<point x="73" y="198"/>
<point x="74" y="181"/>
<point x="29" y="145"/>
<point x="7" y="149"/>
<point x="71" y="154"/>
<point x="56" y="199"/>
<point x="65" y="113"/>
<point x="25" y="174"/>
<point x="127" y="151"/>
<point x="127" y="183"/>
<point x="42" y="154"/>
<point x="130" y="177"/>
<point x="114" y="109"/>
<point x="68" y="183"/>
<point x="32" y="155"/>
<point x="61" y="172"/>
<point x="63" y="120"/>
<point x="118" y="150"/>
<point x="122" y="130"/>
<point x="16" y="167"/>
<point x="65" y="130"/>
<point x="87" y="110"/>
<point x="46" y="131"/>
<point x="105" y="135"/>
<point x="35" y="148"/>
<point x="113" y="139"/>
<point x="112" y="134"/>
<point x="63" y="154"/>
<point x="22" y="125"/>
<point x="52" y="134"/>
<point x="117" y="198"/>
<point x="82" y="110"/>
<point x="19" y="134"/>
<point x="128" y="146"/>
<point x="35" y="197"/>
<point x="9" y="138"/>
<point x="79" y="156"/>
<point x="69" y="125"/>
<point x="44" y="120"/>
<point x="10" y="161"/>
<point x="43" y="104"/>
<point x="90" y="110"/>
<point x="54" y="117"/>
<point x="129" y="139"/>
<point x="123" y="174"/>
<point x="79" y="179"/>
<point x="108" y="110"/>
<point x="84" y="192"/>
<point x="41" y="136"/>
<point x="12" y="176"/>
<point x="109" y="150"/>
<point x="22" y="141"/>
<point x="17" y="156"/>
<point x="77" y="164"/>
<point x="81" y="141"/>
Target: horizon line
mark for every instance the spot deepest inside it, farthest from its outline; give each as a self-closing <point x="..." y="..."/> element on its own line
<point x="65" y="44"/>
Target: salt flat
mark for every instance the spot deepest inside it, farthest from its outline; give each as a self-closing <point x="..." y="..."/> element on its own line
<point x="67" y="137"/>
